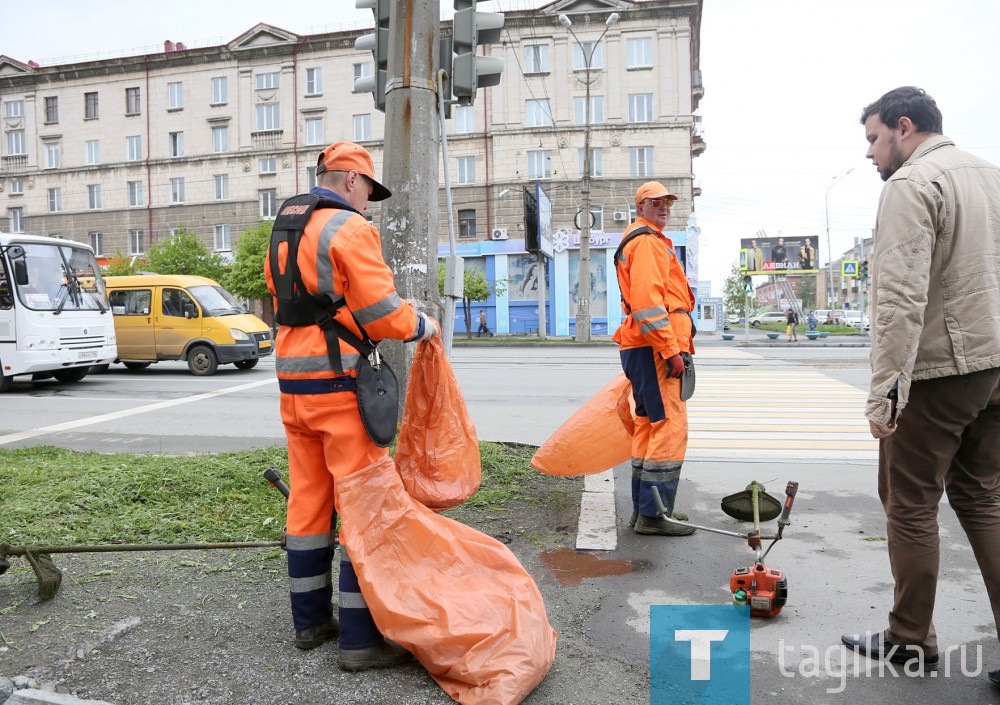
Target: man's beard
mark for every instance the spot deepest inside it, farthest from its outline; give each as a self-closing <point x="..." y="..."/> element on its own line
<point x="895" y="160"/>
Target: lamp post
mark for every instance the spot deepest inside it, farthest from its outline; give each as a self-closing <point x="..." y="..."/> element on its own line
<point x="583" y="288"/>
<point x="829" y="248"/>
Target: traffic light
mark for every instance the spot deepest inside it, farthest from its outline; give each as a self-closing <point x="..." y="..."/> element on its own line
<point x="864" y="270"/>
<point x="747" y="284"/>
<point x="378" y="44"/>
<point x="470" y="29"/>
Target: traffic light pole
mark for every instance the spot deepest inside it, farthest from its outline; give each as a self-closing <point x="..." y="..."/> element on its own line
<point x="409" y="220"/>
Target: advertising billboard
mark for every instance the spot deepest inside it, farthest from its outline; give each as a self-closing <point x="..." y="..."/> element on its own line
<point x="779" y="255"/>
<point x="538" y="221"/>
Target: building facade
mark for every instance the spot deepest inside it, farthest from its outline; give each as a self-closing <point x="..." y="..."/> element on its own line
<point x="121" y="152"/>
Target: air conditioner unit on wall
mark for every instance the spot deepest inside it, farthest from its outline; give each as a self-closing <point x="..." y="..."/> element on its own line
<point x="621" y="215"/>
<point x="498" y="234"/>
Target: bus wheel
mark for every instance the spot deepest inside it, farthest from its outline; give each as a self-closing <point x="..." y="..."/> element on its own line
<point x="136" y="365"/>
<point x="74" y="374"/>
<point x="201" y="361"/>
<point x="247" y="364"/>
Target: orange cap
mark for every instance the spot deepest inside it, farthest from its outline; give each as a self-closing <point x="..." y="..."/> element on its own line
<point x="347" y="156"/>
<point x="653" y="189"/>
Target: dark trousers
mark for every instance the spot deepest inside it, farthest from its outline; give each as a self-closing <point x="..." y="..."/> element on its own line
<point x="948" y="439"/>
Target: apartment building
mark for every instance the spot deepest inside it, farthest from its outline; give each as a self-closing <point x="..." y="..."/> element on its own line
<point x="122" y="152"/>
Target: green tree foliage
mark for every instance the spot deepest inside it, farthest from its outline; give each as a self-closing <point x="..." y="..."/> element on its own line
<point x="120" y="265"/>
<point x="733" y="294"/>
<point x="246" y="276"/>
<point x="474" y="288"/>
<point x="185" y="253"/>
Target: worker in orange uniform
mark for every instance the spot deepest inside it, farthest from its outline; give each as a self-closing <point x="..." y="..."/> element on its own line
<point x="654" y="339"/>
<point x="339" y="264"/>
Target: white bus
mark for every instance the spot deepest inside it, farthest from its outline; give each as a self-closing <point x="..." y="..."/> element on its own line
<point x="54" y="315"/>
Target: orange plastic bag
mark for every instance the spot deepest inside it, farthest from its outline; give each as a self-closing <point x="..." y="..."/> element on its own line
<point x="456" y="598"/>
<point x="595" y="438"/>
<point x="437" y="453"/>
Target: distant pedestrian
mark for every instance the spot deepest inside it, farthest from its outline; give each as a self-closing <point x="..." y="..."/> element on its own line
<point x="812" y="321"/>
<point x="791" y="320"/>
<point x="483" y="328"/>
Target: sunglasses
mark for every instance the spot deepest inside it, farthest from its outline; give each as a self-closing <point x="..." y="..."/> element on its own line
<point x="659" y="202"/>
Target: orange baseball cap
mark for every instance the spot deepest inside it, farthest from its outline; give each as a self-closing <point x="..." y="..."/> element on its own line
<point x="347" y="156"/>
<point x="653" y="189"/>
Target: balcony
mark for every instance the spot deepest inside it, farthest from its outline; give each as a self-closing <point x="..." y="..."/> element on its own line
<point x="14" y="163"/>
<point x="266" y="139"/>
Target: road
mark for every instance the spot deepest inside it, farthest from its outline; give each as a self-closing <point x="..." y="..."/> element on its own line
<point x="767" y="412"/>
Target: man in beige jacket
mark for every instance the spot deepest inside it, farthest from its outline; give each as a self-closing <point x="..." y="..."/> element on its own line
<point x="934" y="399"/>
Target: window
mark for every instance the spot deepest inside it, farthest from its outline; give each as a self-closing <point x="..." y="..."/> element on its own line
<point x="97" y="243"/>
<point x="268" y="165"/>
<point x="362" y="127"/>
<point x="133" y="148"/>
<point x="268" y="203"/>
<point x="221" y="186"/>
<point x="363" y="70"/>
<point x="466" y="170"/>
<point x="311" y="178"/>
<point x="268" y="116"/>
<point x="465" y="119"/>
<point x="94" y="197"/>
<point x="267" y="80"/>
<point x="55" y="200"/>
<point x="640" y="162"/>
<point x="13" y="108"/>
<point x="175" y="95"/>
<point x="467" y="224"/>
<point x="540" y="164"/>
<point x="596" y="161"/>
<point x="53" y="153"/>
<point x="596" y="110"/>
<point x="314" y="81"/>
<point x="90" y="106"/>
<point x="639" y="53"/>
<point x="536" y="58"/>
<point x="597" y="218"/>
<point x="176" y="144"/>
<point x="135" y="247"/>
<point x="16" y="218"/>
<point x="220" y="139"/>
<point x="223" y="238"/>
<point x="52" y="109"/>
<point x="93" y="151"/>
<point x="537" y="113"/>
<point x="177" y="190"/>
<point x="580" y="56"/>
<point x="640" y="107"/>
<point x="314" y="131"/>
<point x="136" y="196"/>
<point x="220" y="90"/>
<point x="16" y="187"/>
<point x="15" y="142"/>
<point x="132" y="106"/>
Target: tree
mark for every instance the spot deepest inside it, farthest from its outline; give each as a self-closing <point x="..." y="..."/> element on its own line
<point x="474" y="288"/>
<point x="185" y="253"/>
<point x="733" y="294"/>
<point x="246" y="276"/>
<point x="120" y="265"/>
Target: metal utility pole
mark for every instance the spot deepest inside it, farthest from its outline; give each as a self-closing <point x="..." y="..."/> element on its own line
<point x="409" y="220"/>
<point x="583" y="295"/>
<point x="829" y="248"/>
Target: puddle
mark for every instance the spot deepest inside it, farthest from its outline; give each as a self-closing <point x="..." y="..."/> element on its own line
<point x="570" y="568"/>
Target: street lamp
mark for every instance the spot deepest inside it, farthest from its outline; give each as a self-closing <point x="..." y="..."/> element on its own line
<point x="829" y="249"/>
<point x="583" y="295"/>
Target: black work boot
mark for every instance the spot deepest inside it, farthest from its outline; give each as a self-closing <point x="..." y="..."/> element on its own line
<point x="318" y="634"/>
<point x="658" y="526"/>
<point x="679" y="516"/>
<point x="383" y="654"/>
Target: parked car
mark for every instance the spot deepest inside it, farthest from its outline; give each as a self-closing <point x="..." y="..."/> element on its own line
<point x="829" y="316"/>
<point x="768" y="317"/>
<point x="855" y="319"/>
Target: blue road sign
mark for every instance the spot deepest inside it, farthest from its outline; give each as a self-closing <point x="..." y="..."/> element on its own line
<point x="849" y="268"/>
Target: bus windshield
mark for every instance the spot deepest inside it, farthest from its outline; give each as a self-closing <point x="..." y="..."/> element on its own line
<point x="61" y="278"/>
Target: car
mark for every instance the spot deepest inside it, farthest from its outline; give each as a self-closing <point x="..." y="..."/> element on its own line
<point x="767" y="317"/>
<point x="855" y="319"/>
<point x="828" y="316"/>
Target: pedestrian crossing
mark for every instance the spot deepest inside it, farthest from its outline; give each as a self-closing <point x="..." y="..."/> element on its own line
<point x="777" y="414"/>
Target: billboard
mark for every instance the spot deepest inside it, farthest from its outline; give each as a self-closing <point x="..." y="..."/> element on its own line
<point x="779" y="255"/>
<point x="537" y="221"/>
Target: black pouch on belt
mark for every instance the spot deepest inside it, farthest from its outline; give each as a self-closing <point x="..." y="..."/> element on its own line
<point x="687" y="380"/>
<point x="378" y="398"/>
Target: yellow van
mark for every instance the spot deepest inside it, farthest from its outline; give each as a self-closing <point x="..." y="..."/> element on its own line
<point x="179" y="317"/>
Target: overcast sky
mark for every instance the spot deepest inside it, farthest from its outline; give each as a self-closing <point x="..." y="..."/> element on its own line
<point x="785" y="82"/>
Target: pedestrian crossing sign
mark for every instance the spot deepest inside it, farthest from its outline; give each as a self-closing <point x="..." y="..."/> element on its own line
<point x="849" y="268"/>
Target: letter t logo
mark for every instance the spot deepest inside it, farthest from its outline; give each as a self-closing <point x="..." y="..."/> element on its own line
<point x="701" y="649"/>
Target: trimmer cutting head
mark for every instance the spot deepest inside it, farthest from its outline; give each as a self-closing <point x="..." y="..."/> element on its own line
<point x="740" y="505"/>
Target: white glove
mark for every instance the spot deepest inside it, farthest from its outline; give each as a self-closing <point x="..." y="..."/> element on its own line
<point x="430" y="327"/>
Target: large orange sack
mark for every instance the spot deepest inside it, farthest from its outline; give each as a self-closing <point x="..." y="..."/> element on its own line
<point x="456" y="598"/>
<point x="595" y="438"/>
<point x="437" y="453"/>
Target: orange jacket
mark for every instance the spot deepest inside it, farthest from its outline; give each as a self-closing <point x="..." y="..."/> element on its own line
<point x="340" y="254"/>
<point x="654" y="285"/>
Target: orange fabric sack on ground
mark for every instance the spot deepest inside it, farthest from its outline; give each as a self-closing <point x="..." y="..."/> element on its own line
<point x="456" y="598"/>
<point x="595" y="438"/>
<point x="437" y="453"/>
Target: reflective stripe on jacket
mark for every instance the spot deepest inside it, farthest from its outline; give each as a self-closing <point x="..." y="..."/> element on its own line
<point x="659" y="298"/>
<point x="340" y="254"/>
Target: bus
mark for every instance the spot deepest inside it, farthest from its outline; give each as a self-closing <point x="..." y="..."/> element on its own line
<point x="54" y="314"/>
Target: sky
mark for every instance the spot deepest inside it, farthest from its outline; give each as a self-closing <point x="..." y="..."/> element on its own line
<point x="785" y="82"/>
